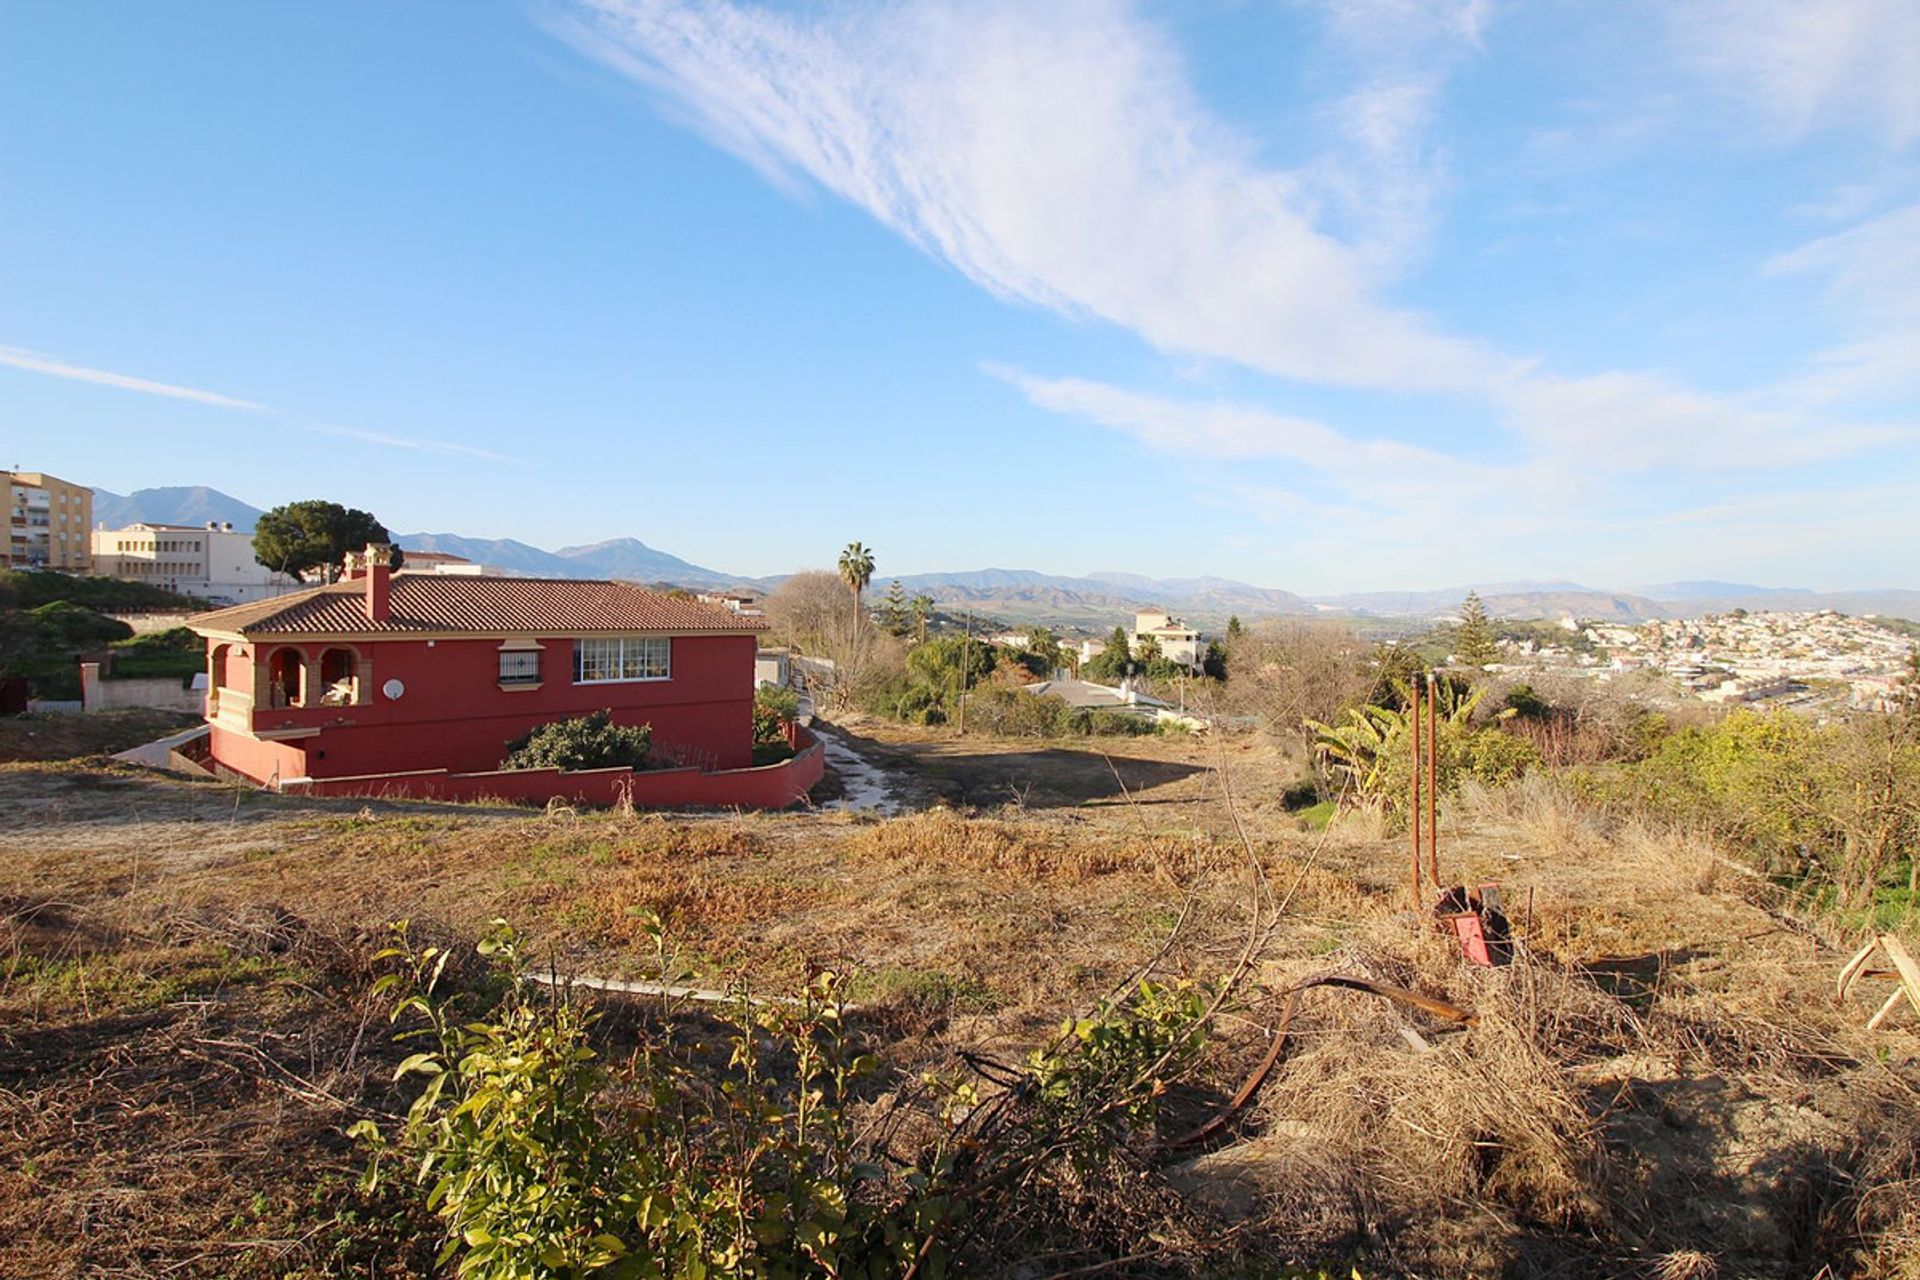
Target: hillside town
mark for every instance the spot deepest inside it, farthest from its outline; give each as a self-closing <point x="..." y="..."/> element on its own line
<point x="1820" y="660"/>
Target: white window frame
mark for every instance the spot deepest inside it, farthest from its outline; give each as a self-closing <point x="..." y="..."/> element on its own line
<point x="638" y="653"/>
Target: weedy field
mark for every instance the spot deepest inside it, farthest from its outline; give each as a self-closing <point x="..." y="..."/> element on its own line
<point x="1661" y="1084"/>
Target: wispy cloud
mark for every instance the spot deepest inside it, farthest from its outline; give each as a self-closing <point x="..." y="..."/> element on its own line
<point x="444" y="447"/>
<point x="1809" y="64"/>
<point x="1054" y="154"/>
<point x="1872" y="274"/>
<point x="1058" y="156"/>
<point x="38" y="362"/>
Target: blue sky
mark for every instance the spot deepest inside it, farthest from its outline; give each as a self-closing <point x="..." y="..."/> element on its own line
<point x="1341" y="296"/>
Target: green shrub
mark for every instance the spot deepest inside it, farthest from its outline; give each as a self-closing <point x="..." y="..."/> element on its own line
<point x="1834" y="805"/>
<point x="589" y="742"/>
<point x="1497" y="758"/>
<point x="1016" y="713"/>
<point x="75" y="627"/>
<point x="540" y="1160"/>
<point x="774" y="707"/>
<point x="1111" y="724"/>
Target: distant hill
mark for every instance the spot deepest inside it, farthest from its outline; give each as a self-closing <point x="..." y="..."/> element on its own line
<point x="501" y="553"/>
<point x="635" y="561"/>
<point x="1024" y="595"/>
<point x="1892" y="603"/>
<point x="626" y="558"/>
<point x="173" y="504"/>
<point x="1097" y="600"/>
<point x="1503" y="600"/>
<point x="1706" y="590"/>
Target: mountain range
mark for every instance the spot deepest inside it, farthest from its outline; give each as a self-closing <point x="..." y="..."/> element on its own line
<point x="1096" y="600"/>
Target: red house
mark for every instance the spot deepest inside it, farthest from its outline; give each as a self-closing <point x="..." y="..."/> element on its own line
<point x="416" y="679"/>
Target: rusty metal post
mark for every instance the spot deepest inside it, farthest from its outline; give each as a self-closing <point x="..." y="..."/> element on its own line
<point x="1413" y="787"/>
<point x="1433" y="781"/>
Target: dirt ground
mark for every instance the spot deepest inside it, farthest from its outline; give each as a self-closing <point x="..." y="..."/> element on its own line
<point x="1662" y="1084"/>
<point x="59" y="737"/>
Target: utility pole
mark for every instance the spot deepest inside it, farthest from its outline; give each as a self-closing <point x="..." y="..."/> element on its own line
<point x="966" y="665"/>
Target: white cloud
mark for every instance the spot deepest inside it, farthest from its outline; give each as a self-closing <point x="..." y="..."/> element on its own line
<point x="443" y="447"/>
<point x="1810" y="64"/>
<point x="36" y="362"/>
<point x="1630" y="422"/>
<point x="1056" y="155"/>
<point x="1872" y="274"/>
<point x="1326" y="470"/>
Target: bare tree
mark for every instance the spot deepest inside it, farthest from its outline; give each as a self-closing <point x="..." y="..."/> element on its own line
<point x="1294" y="670"/>
<point x="808" y="613"/>
<point x="801" y="609"/>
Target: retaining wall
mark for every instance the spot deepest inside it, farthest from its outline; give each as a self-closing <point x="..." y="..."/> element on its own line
<point x="773" y="786"/>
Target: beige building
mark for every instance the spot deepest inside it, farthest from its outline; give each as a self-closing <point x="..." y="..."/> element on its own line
<point x="1178" y="642"/>
<point x="210" y="561"/>
<point x="47" y="520"/>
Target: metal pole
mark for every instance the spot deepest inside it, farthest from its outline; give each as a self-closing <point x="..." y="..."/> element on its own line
<point x="1433" y="782"/>
<point x="1414" y="792"/>
<point x="966" y="659"/>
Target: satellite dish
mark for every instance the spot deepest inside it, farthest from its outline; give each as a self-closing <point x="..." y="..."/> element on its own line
<point x="393" y="689"/>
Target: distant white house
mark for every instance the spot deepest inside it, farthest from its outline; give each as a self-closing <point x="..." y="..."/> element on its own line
<point x="445" y="562"/>
<point x="1177" y="641"/>
<point x="744" y="603"/>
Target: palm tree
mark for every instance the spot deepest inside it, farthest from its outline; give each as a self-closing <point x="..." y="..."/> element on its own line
<point x="856" y="570"/>
<point x="922" y="606"/>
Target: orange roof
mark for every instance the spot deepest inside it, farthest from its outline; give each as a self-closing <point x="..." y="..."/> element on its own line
<point x="437" y="604"/>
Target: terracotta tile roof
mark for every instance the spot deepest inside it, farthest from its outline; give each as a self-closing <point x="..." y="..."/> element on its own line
<point x="437" y="604"/>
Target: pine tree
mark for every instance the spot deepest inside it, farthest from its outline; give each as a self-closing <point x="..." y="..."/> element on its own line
<point x="1113" y="660"/>
<point x="893" y="609"/>
<point x="1473" y="643"/>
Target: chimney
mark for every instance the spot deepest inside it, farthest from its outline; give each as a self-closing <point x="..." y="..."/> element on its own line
<point x="379" y="581"/>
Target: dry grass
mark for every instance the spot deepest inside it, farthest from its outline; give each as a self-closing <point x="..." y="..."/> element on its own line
<point x="62" y="737"/>
<point x="1663" y="1085"/>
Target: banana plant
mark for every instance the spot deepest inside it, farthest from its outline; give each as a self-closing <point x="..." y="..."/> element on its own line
<point x="1360" y="747"/>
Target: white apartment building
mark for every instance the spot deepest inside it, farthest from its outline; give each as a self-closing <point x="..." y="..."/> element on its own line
<point x="210" y="561"/>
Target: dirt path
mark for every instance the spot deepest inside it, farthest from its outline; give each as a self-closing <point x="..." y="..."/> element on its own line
<point x="865" y="786"/>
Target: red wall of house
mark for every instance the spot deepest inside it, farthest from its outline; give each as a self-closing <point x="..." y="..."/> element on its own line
<point x="773" y="786"/>
<point x="454" y="715"/>
<point x="261" y="761"/>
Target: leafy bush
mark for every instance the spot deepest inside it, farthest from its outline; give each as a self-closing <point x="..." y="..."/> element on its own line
<point x="774" y="708"/>
<point x="541" y="1160"/>
<point x="1835" y="807"/>
<point x="589" y="742"/>
<point x="1016" y="713"/>
<point x="74" y="627"/>
<point x="1110" y="724"/>
<point x="947" y="663"/>
<point x="1371" y="751"/>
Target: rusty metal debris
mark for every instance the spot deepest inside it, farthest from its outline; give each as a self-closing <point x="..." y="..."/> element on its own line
<point x="1475" y="919"/>
<point x="1258" y="1076"/>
